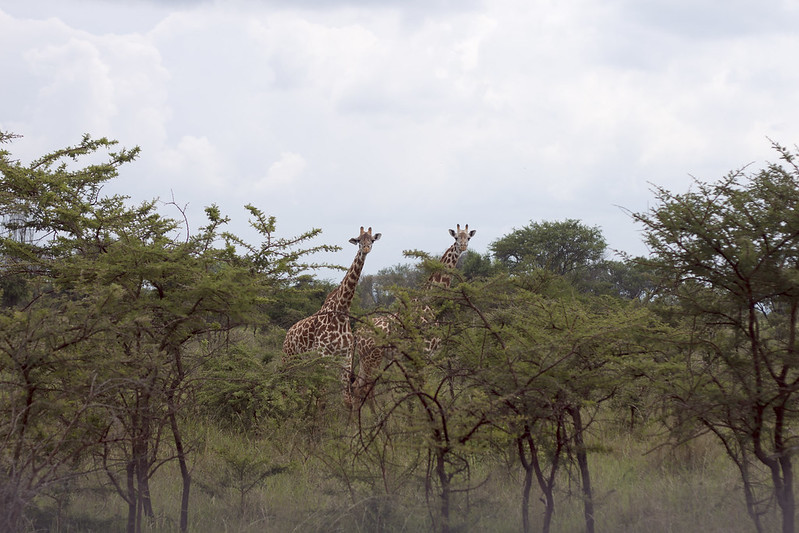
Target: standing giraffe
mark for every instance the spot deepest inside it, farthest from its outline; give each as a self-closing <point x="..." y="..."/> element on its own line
<point x="369" y="353"/>
<point x="328" y="330"/>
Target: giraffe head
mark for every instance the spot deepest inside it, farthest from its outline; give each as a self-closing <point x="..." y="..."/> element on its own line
<point x="365" y="240"/>
<point x="462" y="237"/>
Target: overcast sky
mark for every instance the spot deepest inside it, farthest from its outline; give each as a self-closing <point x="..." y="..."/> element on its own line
<point x="407" y="116"/>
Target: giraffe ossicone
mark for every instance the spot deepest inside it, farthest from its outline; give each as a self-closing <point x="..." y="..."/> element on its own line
<point x="328" y="331"/>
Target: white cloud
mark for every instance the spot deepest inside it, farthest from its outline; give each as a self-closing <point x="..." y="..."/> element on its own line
<point x="283" y="172"/>
<point x="400" y="116"/>
<point x="63" y="82"/>
<point x="195" y="163"/>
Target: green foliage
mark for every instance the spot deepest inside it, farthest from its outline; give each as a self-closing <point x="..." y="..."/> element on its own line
<point x="127" y="343"/>
<point x="13" y="290"/>
<point x="245" y="388"/>
<point x="117" y="313"/>
<point x="298" y="299"/>
<point x="245" y="468"/>
<point x="475" y="265"/>
<point x="568" y="249"/>
<point x="726" y="253"/>
<point x="53" y="383"/>
<point x="276" y="257"/>
<point x="377" y="291"/>
<point x="564" y="247"/>
<point x="626" y="279"/>
<point x="526" y="353"/>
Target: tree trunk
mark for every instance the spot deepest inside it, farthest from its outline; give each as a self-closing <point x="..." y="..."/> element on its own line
<point x="443" y="479"/>
<point x="10" y="505"/>
<point x="786" y="497"/>
<point x="184" y="473"/>
<point x="140" y="459"/>
<point x="144" y="484"/>
<point x="528" y="483"/>
<point x="181" y="452"/>
<point x="545" y="482"/>
<point x="585" y="474"/>
<point x="130" y="470"/>
<point x="782" y="473"/>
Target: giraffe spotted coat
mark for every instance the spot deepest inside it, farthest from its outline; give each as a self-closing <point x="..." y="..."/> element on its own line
<point x="328" y="331"/>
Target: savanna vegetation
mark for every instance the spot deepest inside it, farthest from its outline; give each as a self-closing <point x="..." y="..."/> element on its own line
<point x="142" y="386"/>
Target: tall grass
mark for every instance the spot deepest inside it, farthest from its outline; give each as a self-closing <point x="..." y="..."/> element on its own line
<point x="317" y="487"/>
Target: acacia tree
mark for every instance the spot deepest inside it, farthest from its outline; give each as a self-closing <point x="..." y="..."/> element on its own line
<point x="169" y="294"/>
<point x="726" y="253"/>
<point x="129" y="298"/>
<point x="567" y="248"/>
<point x="431" y="394"/>
<point x="523" y="360"/>
<point x="375" y="290"/>
<point x="50" y="406"/>
<point x="557" y="356"/>
<point x="51" y="411"/>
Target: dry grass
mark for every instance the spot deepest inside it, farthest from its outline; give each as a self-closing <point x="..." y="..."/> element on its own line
<point x="692" y="488"/>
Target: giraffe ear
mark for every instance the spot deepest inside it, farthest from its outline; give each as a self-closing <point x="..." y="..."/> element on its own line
<point x="354" y="240"/>
<point x="452" y="232"/>
<point x="471" y="233"/>
<point x="376" y="236"/>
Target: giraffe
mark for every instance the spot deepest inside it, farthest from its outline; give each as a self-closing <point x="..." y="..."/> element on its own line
<point x="328" y="331"/>
<point x="369" y="353"/>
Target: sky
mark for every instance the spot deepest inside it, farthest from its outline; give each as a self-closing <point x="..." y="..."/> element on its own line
<point x="407" y="116"/>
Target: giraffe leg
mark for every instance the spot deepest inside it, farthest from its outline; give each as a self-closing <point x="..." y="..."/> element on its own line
<point x="346" y="375"/>
<point x="372" y="349"/>
<point x="363" y="386"/>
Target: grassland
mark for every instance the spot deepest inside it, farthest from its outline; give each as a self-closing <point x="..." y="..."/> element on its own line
<point x="293" y="482"/>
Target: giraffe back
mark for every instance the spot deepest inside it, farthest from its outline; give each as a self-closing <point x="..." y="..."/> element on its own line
<point x="326" y="332"/>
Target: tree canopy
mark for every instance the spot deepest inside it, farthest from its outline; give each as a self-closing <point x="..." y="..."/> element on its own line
<point x="114" y="313"/>
<point x="125" y="340"/>
<point x="565" y="248"/>
<point x="727" y="253"/>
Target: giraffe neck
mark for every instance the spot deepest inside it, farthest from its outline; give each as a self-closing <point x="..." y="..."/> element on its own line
<point x="341" y="298"/>
<point x="450" y="260"/>
<point x="450" y="257"/>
